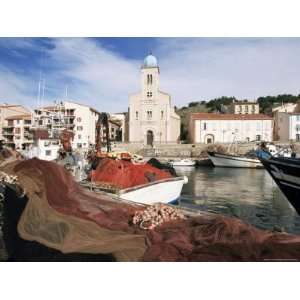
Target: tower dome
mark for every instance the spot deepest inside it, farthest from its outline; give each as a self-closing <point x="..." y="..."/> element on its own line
<point x="150" y="61"/>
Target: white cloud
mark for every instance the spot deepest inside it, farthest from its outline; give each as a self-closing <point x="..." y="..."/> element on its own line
<point x="197" y="70"/>
<point x="102" y="78"/>
<point x="14" y="88"/>
<point x="191" y="69"/>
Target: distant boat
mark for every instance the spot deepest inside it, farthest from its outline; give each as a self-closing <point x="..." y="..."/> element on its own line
<point x="233" y="161"/>
<point x="286" y="173"/>
<point x="183" y="163"/>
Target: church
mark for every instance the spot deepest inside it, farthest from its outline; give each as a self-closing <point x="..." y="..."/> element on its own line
<point x="152" y="119"/>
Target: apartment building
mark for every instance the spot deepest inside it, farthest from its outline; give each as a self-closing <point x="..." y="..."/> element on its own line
<point x="8" y="110"/>
<point x="76" y="117"/>
<point x="16" y="131"/>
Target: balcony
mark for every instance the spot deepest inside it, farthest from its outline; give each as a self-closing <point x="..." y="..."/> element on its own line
<point x="28" y="135"/>
<point x="7" y="133"/>
<point x="8" y="126"/>
<point x="70" y="113"/>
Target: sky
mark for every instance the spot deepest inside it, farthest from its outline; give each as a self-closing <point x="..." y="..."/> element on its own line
<point x="103" y="72"/>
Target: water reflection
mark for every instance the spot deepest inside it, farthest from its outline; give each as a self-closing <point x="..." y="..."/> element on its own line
<point x="249" y="194"/>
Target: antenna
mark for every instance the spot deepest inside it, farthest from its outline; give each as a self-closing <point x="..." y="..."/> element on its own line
<point x="66" y="93"/>
<point x="43" y="92"/>
<point x="39" y="92"/>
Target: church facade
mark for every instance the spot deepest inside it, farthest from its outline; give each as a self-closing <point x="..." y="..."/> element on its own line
<point x="152" y="119"/>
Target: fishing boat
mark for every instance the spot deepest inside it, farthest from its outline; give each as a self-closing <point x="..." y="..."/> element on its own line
<point x="233" y="161"/>
<point x="146" y="183"/>
<point x="164" y="191"/>
<point x="182" y="163"/>
<point x="286" y="173"/>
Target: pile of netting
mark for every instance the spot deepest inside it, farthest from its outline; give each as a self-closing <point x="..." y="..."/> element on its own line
<point x="155" y="215"/>
<point x="7" y="155"/>
<point x="216" y="148"/>
<point x="62" y="215"/>
<point x="124" y="174"/>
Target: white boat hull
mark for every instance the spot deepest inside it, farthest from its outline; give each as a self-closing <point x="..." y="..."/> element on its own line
<point x="228" y="161"/>
<point x="189" y="163"/>
<point x="163" y="191"/>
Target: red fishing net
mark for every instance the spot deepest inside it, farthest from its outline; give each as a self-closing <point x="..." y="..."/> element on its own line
<point x="124" y="174"/>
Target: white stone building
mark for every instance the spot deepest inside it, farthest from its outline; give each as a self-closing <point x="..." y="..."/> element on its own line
<point x="121" y="119"/>
<point x="287" y="127"/>
<point x="76" y="117"/>
<point x="226" y="128"/>
<point x="243" y="107"/>
<point x="152" y="119"/>
<point x="286" y="107"/>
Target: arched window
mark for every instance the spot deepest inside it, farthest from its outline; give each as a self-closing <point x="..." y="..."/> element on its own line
<point x="149" y="79"/>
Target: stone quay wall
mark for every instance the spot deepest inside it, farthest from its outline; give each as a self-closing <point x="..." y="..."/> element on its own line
<point x="187" y="150"/>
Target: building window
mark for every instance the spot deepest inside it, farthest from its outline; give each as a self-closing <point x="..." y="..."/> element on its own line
<point x="79" y="136"/>
<point x="149" y="94"/>
<point x="149" y="79"/>
<point x="79" y="128"/>
<point x="258" y="127"/>
<point x="162" y="114"/>
<point x="298" y="137"/>
<point x="298" y="127"/>
<point x="78" y="119"/>
<point x="17" y="130"/>
<point x="18" y="121"/>
<point x="79" y="145"/>
<point x="136" y="115"/>
<point x="149" y="114"/>
<point x="246" y="109"/>
<point x="48" y="152"/>
<point x="204" y="126"/>
<point x="298" y="118"/>
<point x="258" y="137"/>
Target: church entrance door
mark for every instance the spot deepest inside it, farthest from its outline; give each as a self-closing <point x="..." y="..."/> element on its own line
<point x="150" y="137"/>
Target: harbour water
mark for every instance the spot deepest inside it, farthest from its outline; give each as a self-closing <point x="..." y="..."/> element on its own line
<point x="249" y="194"/>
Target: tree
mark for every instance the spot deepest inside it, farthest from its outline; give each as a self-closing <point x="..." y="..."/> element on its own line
<point x="216" y="104"/>
<point x="192" y="104"/>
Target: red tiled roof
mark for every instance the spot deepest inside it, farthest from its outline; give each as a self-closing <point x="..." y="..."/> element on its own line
<point x="9" y="105"/>
<point x="19" y="117"/>
<point x="213" y="116"/>
<point x="244" y="103"/>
